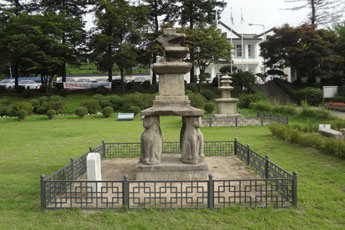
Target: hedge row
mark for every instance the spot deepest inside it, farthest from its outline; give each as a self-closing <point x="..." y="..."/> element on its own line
<point x="326" y="145"/>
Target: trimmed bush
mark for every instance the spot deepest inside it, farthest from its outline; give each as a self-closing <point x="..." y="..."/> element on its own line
<point x="43" y="99"/>
<point x="209" y="94"/>
<point x="41" y="110"/>
<point x="312" y="95"/>
<point x="192" y="87"/>
<point x="290" y="110"/>
<point x="134" y="109"/>
<point x="51" y="114"/>
<point x="142" y="100"/>
<point x="81" y="112"/>
<point x="92" y="106"/>
<point x="261" y="106"/>
<point x="16" y="107"/>
<point x="197" y="100"/>
<point x="317" y="113"/>
<point x="57" y="104"/>
<point x="21" y="114"/>
<point x="326" y="145"/>
<point x="105" y="103"/>
<point x="188" y="92"/>
<point x="115" y="102"/>
<point x="340" y="99"/>
<point x="35" y="103"/>
<point x="209" y="107"/>
<point x="98" y="97"/>
<point x="107" y="111"/>
<point x="246" y="99"/>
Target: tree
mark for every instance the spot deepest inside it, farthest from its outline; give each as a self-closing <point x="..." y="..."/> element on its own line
<point x="197" y="12"/>
<point x="120" y="27"/>
<point x="10" y="41"/>
<point x="308" y="51"/>
<point x="71" y="11"/>
<point x="322" y="11"/>
<point x="208" y="45"/>
<point x="164" y="9"/>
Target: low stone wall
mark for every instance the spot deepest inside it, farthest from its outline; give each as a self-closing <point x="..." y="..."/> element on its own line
<point x="234" y="123"/>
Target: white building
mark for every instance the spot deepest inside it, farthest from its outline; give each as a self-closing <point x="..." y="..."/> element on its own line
<point x="246" y="59"/>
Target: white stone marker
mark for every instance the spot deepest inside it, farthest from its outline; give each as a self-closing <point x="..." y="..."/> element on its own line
<point x="324" y="126"/>
<point x="93" y="168"/>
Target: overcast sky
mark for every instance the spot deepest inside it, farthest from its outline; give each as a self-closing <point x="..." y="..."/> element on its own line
<point x="267" y="12"/>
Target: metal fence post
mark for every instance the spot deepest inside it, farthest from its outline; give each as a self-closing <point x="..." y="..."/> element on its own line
<point x="210" y="121"/>
<point x="236" y="121"/>
<point x="90" y="149"/>
<point x="72" y="166"/>
<point x="43" y="192"/>
<point x="235" y="146"/>
<point x="103" y="148"/>
<point x="294" y="189"/>
<point x="210" y="191"/>
<point x="248" y="154"/>
<point x="266" y="167"/>
<point x="125" y="191"/>
<point x="262" y="121"/>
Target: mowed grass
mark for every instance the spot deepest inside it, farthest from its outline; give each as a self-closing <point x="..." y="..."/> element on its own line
<point x="36" y="145"/>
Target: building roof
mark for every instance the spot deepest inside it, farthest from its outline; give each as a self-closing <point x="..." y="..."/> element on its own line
<point x="246" y="36"/>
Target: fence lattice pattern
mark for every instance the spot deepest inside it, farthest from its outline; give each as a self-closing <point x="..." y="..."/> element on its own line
<point x="277" y="188"/>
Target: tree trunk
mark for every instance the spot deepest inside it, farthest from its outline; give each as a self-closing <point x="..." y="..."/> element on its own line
<point x="313" y="12"/>
<point x="110" y="74"/>
<point x="122" y="80"/>
<point x="154" y="76"/>
<point x="16" y="74"/>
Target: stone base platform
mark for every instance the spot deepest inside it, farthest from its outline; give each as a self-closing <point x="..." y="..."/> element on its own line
<point x="187" y="111"/>
<point x="172" y="168"/>
<point x="227" y="116"/>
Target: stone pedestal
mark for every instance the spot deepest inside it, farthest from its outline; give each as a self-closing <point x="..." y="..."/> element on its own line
<point x="172" y="168"/>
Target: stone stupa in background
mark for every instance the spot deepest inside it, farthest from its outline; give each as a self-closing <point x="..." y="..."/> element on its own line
<point x="226" y="106"/>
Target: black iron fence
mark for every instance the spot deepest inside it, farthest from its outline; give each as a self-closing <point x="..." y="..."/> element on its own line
<point x="276" y="187"/>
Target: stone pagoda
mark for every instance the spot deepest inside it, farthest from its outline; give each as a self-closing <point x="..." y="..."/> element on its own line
<point x="226" y="106"/>
<point x="190" y="162"/>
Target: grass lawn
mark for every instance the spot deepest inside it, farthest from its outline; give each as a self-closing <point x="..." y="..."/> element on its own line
<point x="36" y="145"/>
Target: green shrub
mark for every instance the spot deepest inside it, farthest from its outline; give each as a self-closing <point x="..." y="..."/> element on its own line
<point x="312" y="95"/>
<point x="209" y="107"/>
<point x="115" y="102"/>
<point x="43" y="99"/>
<point x="326" y="145"/>
<point x="98" y="97"/>
<point x="261" y="106"/>
<point x="35" y="103"/>
<point x="134" y="109"/>
<point x="209" y="94"/>
<point x="58" y="105"/>
<point x="51" y="114"/>
<point x="107" y="111"/>
<point x="16" y="107"/>
<point x="246" y="99"/>
<point x="81" y="111"/>
<point x="188" y="92"/>
<point x="105" y="103"/>
<point x="92" y="106"/>
<point x="21" y="114"/>
<point x="317" y="113"/>
<point x="339" y="99"/>
<point x="142" y="100"/>
<point x="192" y="87"/>
<point x="290" y="110"/>
<point x="197" y="101"/>
<point x="41" y="110"/>
<point x="102" y="90"/>
<point x="341" y="91"/>
<point x="4" y="106"/>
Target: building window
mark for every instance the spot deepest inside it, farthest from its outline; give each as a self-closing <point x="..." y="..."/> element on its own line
<point x="250" y="51"/>
<point x="238" y="51"/>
